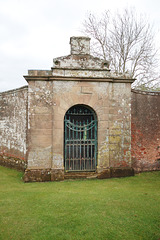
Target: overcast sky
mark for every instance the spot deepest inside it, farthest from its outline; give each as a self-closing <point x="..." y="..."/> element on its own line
<point x="33" y="32"/>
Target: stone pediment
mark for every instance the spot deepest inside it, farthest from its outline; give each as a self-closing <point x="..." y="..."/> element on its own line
<point x="80" y="62"/>
<point x="80" y="66"/>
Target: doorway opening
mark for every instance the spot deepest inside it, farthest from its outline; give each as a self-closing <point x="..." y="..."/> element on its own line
<point x="80" y="139"/>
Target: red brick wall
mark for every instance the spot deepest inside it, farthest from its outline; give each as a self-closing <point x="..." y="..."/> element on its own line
<point x="145" y="125"/>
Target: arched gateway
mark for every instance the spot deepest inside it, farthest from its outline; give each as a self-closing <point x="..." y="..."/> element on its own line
<point x="80" y="139"/>
<point x="63" y="141"/>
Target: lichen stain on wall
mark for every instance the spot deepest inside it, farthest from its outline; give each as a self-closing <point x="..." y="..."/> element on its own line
<point x="13" y="123"/>
<point x="40" y="158"/>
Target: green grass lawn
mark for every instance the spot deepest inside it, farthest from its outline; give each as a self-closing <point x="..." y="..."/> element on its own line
<point x="119" y="208"/>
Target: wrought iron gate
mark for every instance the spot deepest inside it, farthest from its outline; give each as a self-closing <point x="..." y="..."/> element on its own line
<point x="80" y="147"/>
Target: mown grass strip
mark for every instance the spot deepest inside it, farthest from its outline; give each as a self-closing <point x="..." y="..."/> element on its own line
<point x="120" y="208"/>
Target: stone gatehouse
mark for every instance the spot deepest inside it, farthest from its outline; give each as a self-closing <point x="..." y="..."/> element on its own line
<point x="71" y="121"/>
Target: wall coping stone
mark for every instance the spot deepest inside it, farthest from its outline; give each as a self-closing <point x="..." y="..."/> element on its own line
<point x="155" y="93"/>
<point x="14" y="90"/>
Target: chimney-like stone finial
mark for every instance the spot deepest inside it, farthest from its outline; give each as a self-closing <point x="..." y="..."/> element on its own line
<point x="80" y="45"/>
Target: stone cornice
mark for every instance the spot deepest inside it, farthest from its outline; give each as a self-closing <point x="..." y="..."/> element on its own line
<point x="87" y="79"/>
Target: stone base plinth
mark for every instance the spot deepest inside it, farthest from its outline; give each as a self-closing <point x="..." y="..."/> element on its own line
<point x="122" y="172"/>
<point x="43" y="175"/>
<point x="57" y="174"/>
<point x="115" y="172"/>
<point x="103" y="174"/>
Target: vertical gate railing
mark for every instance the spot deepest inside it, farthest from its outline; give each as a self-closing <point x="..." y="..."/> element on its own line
<point x="80" y="140"/>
